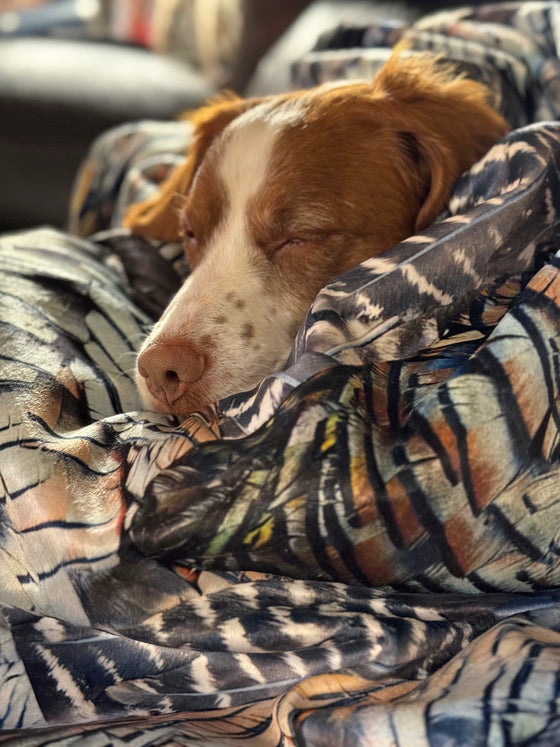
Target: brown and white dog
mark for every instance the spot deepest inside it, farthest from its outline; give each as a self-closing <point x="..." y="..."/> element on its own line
<point x="281" y="194"/>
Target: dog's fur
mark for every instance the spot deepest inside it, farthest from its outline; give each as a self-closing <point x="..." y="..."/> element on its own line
<point x="279" y="195"/>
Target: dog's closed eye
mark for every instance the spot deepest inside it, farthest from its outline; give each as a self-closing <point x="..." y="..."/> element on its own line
<point x="190" y="241"/>
<point x="291" y="243"/>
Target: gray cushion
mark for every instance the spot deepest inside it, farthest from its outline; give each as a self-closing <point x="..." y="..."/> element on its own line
<point x="56" y="96"/>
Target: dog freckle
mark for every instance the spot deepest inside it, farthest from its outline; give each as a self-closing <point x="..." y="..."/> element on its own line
<point x="234" y="299"/>
<point x="248" y="332"/>
<point x="220" y="319"/>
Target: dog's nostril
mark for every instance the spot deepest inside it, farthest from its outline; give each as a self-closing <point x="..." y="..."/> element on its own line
<point x="172" y="377"/>
<point x="169" y="368"/>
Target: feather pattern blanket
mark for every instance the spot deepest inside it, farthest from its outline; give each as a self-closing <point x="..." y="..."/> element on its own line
<point x="365" y="548"/>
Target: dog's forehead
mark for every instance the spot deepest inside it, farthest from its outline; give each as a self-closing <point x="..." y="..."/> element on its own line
<point x="275" y="113"/>
<point x="244" y="157"/>
<point x="253" y="133"/>
<point x="251" y="146"/>
<point x="246" y="146"/>
<point x="256" y="130"/>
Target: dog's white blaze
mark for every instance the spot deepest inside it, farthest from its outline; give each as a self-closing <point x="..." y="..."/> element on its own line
<point x="245" y="161"/>
<point x="230" y="257"/>
<point x="229" y="282"/>
<point x="243" y="169"/>
<point x="278" y="115"/>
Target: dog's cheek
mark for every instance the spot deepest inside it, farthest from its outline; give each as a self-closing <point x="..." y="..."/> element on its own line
<point x="302" y="270"/>
<point x="259" y="341"/>
<point x="254" y="335"/>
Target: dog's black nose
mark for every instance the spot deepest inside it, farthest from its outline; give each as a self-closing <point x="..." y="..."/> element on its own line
<point x="169" y="367"/>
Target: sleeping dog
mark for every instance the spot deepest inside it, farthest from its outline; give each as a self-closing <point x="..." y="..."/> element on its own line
<point x="281" y="194"/>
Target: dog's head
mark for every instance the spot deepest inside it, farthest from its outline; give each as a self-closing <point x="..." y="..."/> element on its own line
<point x="281" y="194"/>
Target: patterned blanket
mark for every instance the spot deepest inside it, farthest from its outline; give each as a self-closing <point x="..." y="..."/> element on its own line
<point x="365" y="548"/>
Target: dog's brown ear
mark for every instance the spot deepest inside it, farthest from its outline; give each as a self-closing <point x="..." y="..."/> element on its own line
<point x="466" y="127"/>
<point x="448" y="118"/>
<point x="159" y="216"/>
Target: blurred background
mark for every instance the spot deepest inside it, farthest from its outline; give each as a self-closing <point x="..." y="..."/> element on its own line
<point x="70" y="69"/>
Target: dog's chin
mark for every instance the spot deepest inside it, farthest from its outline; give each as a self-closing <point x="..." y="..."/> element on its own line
<point x="196" y="398"/>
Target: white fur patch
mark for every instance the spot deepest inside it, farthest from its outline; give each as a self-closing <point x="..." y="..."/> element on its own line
<point x="244" y="163"/>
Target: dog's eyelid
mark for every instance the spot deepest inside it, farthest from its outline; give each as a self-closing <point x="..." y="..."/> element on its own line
<point x="191" y="242"/>
<point x="188" y="235"/>
<point x="186" y="228"/>
<point x="293" y="241"/>
<point x="192" y="250"/>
